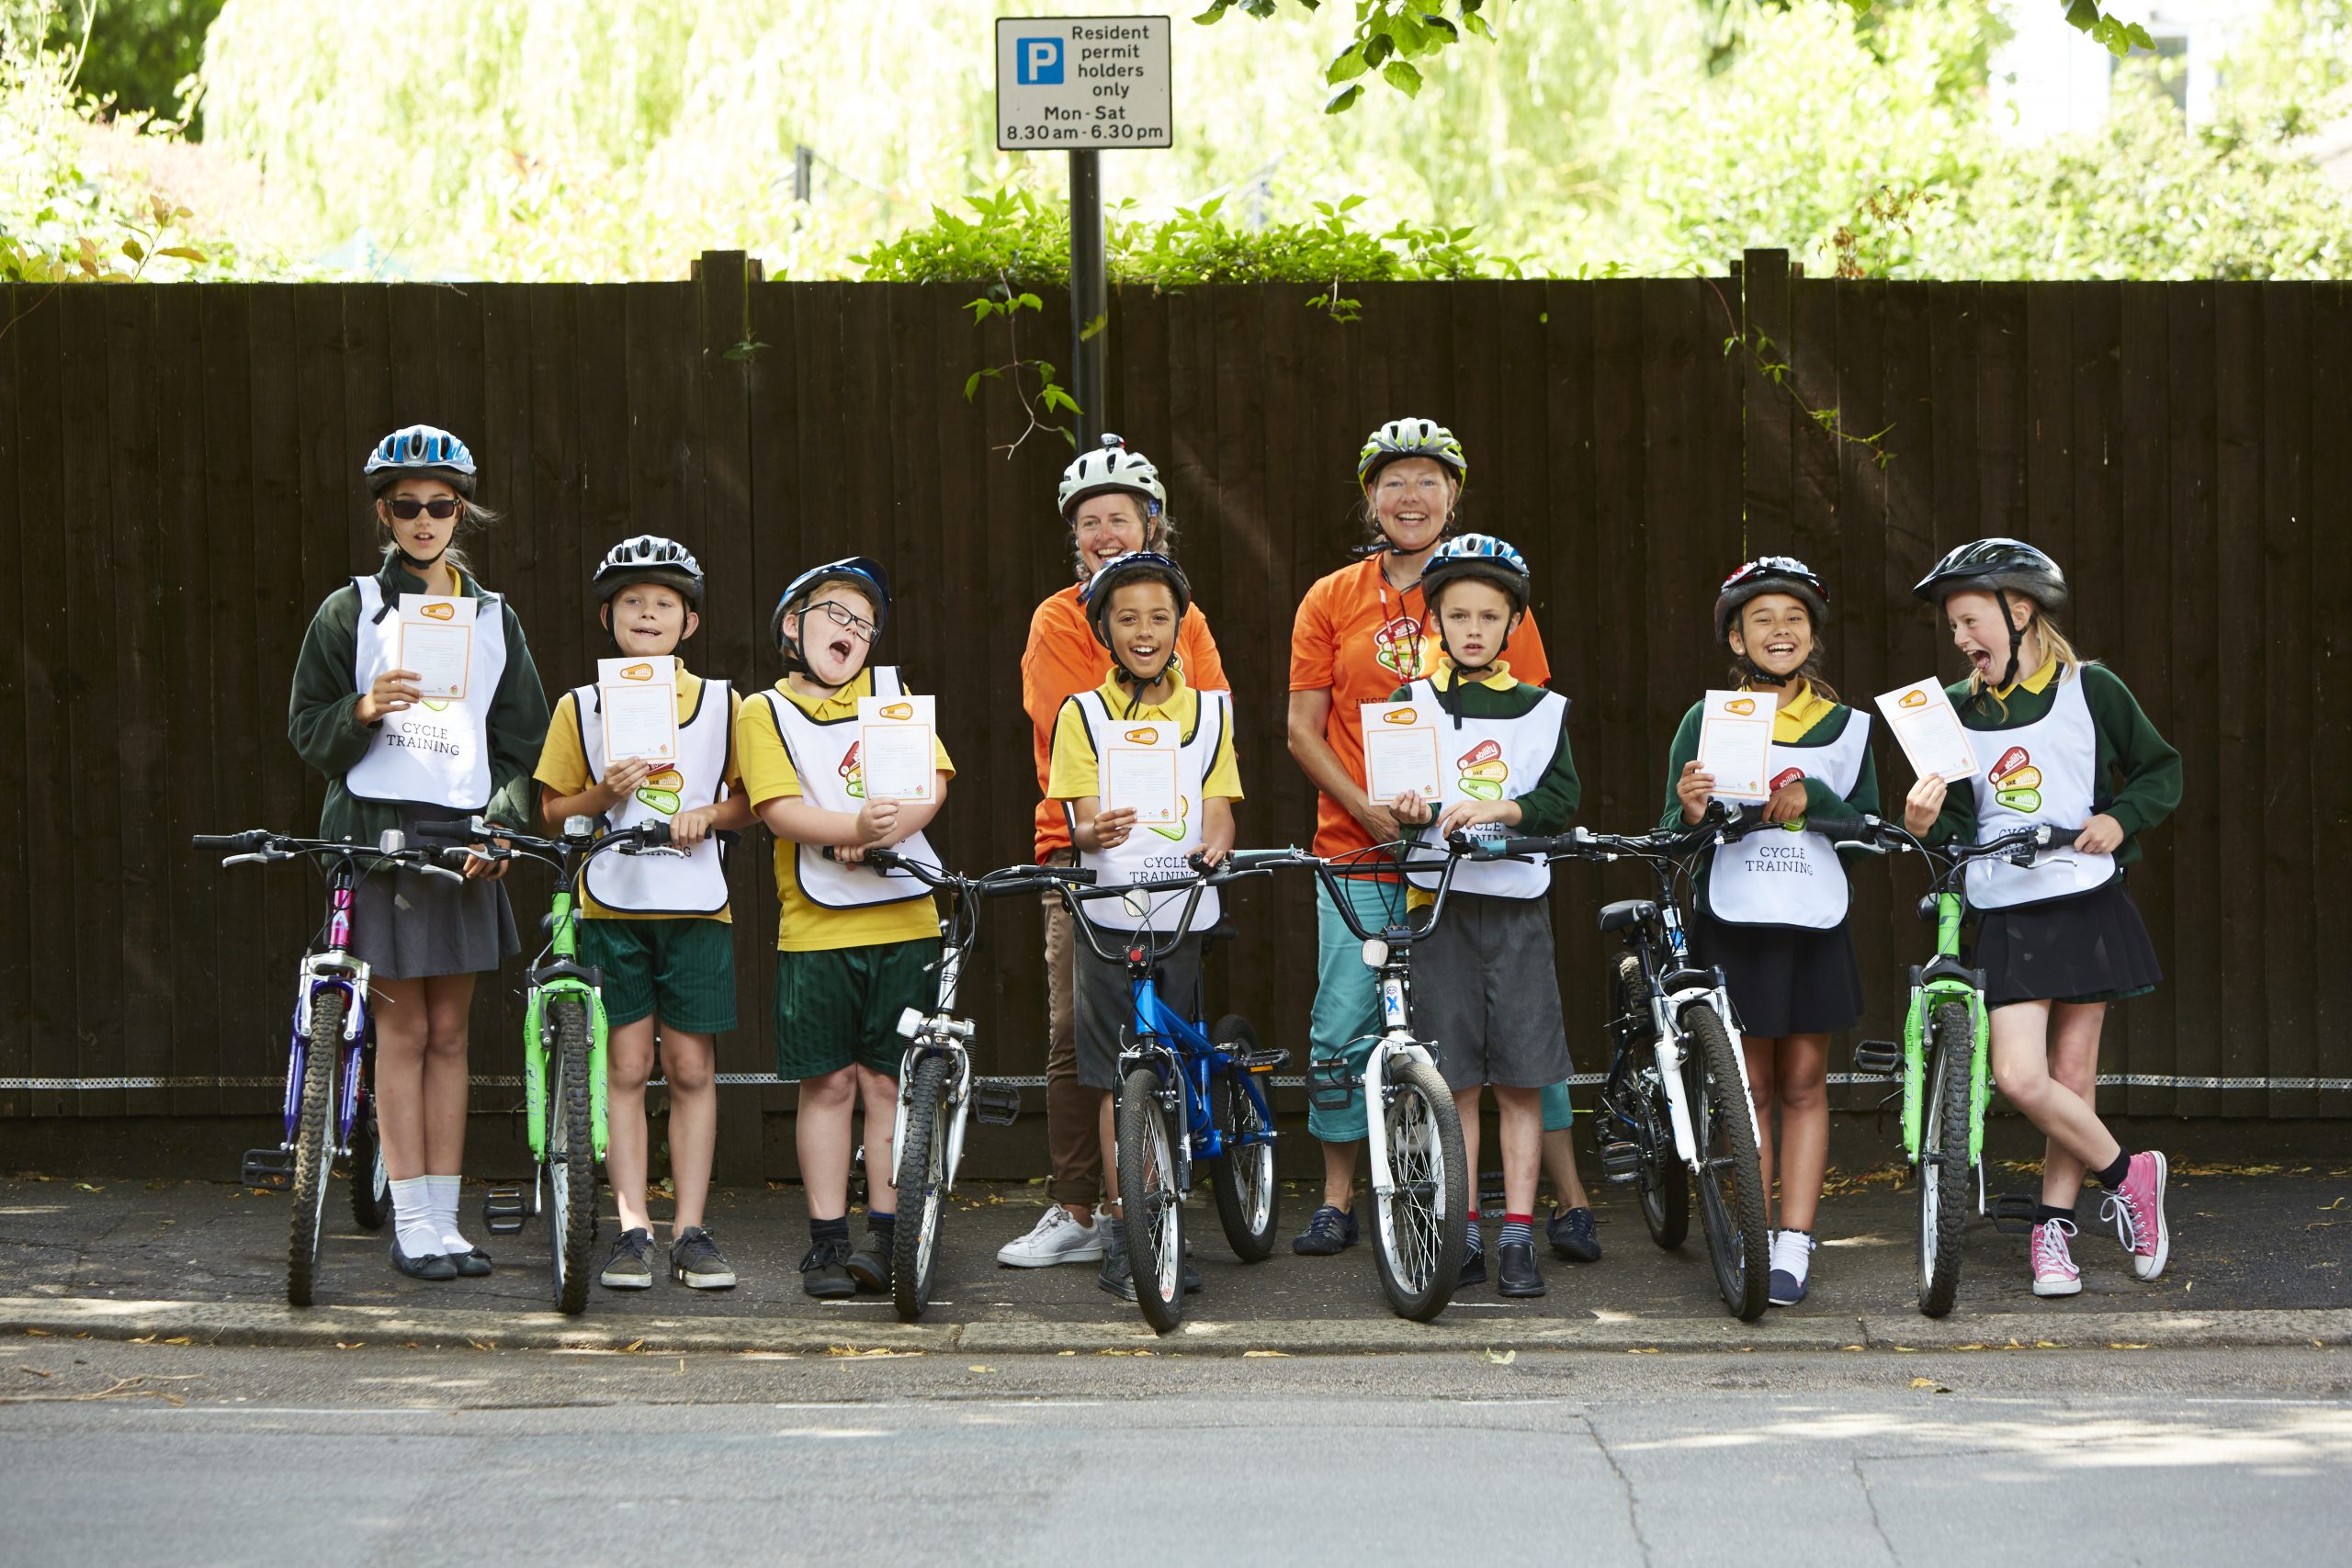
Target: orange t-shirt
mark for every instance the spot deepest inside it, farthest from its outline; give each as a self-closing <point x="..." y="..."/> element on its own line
<point x="1359" y="640"/>
<point x="1063" y="659"/>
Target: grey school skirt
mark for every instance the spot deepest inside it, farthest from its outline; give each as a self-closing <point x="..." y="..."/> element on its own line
<point x="409" y="926"/>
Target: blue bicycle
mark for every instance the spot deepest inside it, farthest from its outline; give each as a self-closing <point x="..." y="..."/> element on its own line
<point x="1186" y="1096"/>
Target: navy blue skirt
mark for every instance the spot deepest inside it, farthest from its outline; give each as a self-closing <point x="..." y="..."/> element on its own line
<point x="2090" y="948"/>
<point x="1783" y="980"/>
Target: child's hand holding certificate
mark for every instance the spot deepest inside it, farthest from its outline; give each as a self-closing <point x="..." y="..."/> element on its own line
<point x="896" y="758"/>
<point x="1930" y="730"/>
<point x="437" y="643"/>
<point x="1138" y="773"/>
<point x="1735" y="744"/>
<point x="1400" y="752"/>
<point x="639" y="701"/>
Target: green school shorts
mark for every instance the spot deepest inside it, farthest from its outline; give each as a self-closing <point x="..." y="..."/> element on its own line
<point x="680" y="972"/>
<point x="839" y="1005"/>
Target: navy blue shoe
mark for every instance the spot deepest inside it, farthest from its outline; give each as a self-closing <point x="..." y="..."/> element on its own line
<point x="1792" y="1263"/>
<point x="1329" y="1232"/>
<point x="1574" y="1235"/>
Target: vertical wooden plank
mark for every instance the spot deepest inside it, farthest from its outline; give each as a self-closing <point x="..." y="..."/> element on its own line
<point x="1878" y="596"/>
<point x="37" y="331"/>
<point x="2002" y="429"/>
<point x="1559" y="347"/>
<point x="2243" y="751"/>
<point x="92" y="693"/>
<point x="1768" y="435"/>
<point x="193" y="711"/>
<point x="1634" y="759"/>
<point x="1951" y="349"/>
<point x="2191" y="842"/>
<point x="2330" y="719"/>
<point x="2050" y="424"/>
<point x="1673" y="381"/>
<point x="17" y="915"/>
<point x="325" y="474"/>
<point x="1243" y="598"/>
<point x="1916" y="642"/>
<point x="1815" y="517"/>
<point x="2145" y="653"/>
<point x="2291" y="886"/>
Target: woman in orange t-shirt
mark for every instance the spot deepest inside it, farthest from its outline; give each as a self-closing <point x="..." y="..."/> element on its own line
<point x="1360" y="633"/>
<point x="1113" y="502"/>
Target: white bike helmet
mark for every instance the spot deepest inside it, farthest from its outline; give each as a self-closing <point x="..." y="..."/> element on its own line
<point x="1112" y="468"/>
<point x="648" y="558"/>
<point x="1412" y="438"/>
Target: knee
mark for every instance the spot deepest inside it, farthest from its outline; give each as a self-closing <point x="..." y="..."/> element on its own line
<point x="445" y="1038"/>
<point x="687" y="1071"/>
<point x="2023" y="1085"/>
<point x="831" y="1092"/>
<point x="1807" y="1092"/>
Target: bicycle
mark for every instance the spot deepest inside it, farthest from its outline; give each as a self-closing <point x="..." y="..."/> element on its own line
<point x="1677" y="1087"/>
<point x="1421" y="1190"/>
<point x="1186" y="1096"/>
<point x="1945" y="1056"/>
<point x="333" y="1044"/>
<point x="936" y="1086"/>
<point x="563" y="1046"/>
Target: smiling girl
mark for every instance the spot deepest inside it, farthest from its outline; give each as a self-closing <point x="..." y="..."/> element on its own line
<point x="2062" y="742"/>
<point x="392" y="758"/>
<point x="1771" y="907"/>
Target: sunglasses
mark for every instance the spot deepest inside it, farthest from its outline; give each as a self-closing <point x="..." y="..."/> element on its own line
<point x="442" y="507"/>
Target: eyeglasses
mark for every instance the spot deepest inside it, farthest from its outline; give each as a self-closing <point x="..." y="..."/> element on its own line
<point x="842" y="615"/>
<point x="441" y="507"/>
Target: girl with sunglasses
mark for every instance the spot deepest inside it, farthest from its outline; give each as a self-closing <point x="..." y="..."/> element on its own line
<point x="393" y="758"/>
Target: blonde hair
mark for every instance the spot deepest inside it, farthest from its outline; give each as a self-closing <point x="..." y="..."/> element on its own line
<point x="2055" y="644"/>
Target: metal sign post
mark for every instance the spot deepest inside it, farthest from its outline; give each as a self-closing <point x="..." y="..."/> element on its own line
<point x="1084" y="84"/>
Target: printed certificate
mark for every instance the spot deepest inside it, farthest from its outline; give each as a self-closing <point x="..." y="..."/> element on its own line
<point x="1928" y="728"/>
<point x="1399" y="752"/>
<point x="639" y="701"/>
<point x="1138" y="773"/>
<point x="437" y="643"/>
<point x="1735" y="744"/>
<point x="896" y="758"/>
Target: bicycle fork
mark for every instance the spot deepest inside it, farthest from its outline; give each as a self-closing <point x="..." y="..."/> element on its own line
<point x="1396" y="1039"/>
<point x="538" y="1030"/>
<point x="1666" y="1013"/>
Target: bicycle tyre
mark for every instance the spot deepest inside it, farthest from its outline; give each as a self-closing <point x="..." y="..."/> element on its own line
<point x="1155" y="1209"/>
<point x="1248" y="1199"/>
<point x="1418" y="1243"/>
<point x="1739" y="1241"/>
<point x="1665" y="1185"/>
<point x="572" y="1159"/>
<point x="923" y="1177"/>
<point x="313" y="1147"/>
<point x="371" y="1185"/>
<point x="1943" y="1157"/>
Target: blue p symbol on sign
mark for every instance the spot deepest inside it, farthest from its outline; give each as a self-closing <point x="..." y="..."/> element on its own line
<point x="1038" y="61"/>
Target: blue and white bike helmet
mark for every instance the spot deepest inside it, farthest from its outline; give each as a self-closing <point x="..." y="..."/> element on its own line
<point x="860" y="572"/>
<point x="648" y="557"/>
<point x="1481" y="556"/>
<point x="420" y="449"/>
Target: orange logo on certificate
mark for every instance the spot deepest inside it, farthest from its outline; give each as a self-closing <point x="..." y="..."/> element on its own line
<point x="1144" y="737"/>
<point x="1740" y="706"/>
<point x="1914" y="698"/>
<point x="1400" y="716"/>
<point x="441" y="612"/>
<point x="899" y="710"/>
<point x="637" y="673"/>
<point x="1184" y="814"/>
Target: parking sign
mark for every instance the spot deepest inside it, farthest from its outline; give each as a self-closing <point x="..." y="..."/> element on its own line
<point x="1076" y="83"/>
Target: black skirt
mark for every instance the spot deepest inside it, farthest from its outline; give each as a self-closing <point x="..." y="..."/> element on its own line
<point x="1783" y="980"/>
<point x="2090" y="948"/>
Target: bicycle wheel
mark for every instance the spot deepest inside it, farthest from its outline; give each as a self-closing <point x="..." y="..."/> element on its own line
<point x="922" y="1189"/>
<point x="1155" y="1209"/>
<point x="1248" y="1198"/>
<point x="1731" y="1189"/>
<point x="313" y="1146"/>
<point x="371" y="1186"/>
<point x="572" y="1158"/>
<point x="1943" y="1156"/>
<point x="1423" y="1228"/>
<point x="1665" y="1187"/>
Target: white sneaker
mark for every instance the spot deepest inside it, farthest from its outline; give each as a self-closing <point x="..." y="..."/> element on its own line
<point x="1055" y="1239"/>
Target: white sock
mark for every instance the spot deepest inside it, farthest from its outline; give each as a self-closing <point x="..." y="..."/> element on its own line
<point x="445" y="1189"/>
<point x="1792" y="1254"/>
<point x="412" y="1218"/>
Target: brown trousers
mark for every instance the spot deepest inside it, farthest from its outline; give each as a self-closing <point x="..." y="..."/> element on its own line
<point x="1073" y="1139"/>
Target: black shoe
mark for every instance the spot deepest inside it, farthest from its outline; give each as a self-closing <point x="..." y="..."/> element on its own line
<point x="432" y="1266"/>
<point x="1515" y="1269"/>
<point x="1117" y="1274"/>
<point x="696" y="1263"/>
<point x="1474" y="1267"/>
<point x="870" y="1264"/>
<point x="1191" y="1278"/>
<point x="1574" y="1235"/>
<point x="822" y="1273"/>
<point x="627" y="1269"/>
<point x="1329" y="1232"/>
<point x="472" y="1265"/>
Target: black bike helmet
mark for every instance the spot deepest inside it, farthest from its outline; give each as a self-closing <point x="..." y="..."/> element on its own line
<point x="1144" y="566"/>
<point x="1999" y="567"/>
<point x="648" y="557"/>
<point x="1771" y="574"/>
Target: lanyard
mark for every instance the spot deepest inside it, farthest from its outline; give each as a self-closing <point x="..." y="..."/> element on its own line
<point x="1386" y="619"/>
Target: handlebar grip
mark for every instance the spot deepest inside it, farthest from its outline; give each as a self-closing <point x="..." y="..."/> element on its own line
<point x="653" y="833"/>
<point x="2062" y="838"/>
<point x="1078" y="877"/>
<point x="1252" y="860"/>
<point x="1506" y="848"/>
<point x="251" y="839"/>
<point x="448" y="832"/>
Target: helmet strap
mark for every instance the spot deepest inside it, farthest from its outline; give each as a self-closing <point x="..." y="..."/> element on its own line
<point x="2016" y="638"/>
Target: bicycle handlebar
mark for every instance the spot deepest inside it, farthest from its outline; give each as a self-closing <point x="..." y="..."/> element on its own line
<point x="259" y="846"/>
<point x="1002" y="884"/>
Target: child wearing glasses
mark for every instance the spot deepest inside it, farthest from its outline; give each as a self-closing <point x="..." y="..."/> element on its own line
<point x="394" y="757"/>
<point x="854" y="949"/>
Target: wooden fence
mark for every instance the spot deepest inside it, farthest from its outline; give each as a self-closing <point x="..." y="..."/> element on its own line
<point x="180" y="486"/>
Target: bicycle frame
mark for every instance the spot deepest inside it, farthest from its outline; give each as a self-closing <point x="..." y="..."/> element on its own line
<point x="1672" y="988"/>
<point x="331" y="969"/>
<point x="937" y="1033"/>
<point x="561" y="975"/>
<point x="1942" y="980"/>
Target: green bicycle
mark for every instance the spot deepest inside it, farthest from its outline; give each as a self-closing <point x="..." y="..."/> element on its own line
<point x="563" y="1048"/>
<point x="1944" y="1058"/>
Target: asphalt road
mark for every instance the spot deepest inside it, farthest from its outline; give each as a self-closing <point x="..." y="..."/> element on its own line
<point x="126" y="1454"/>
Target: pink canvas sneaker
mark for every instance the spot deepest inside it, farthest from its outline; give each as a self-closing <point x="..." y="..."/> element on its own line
<point x="2137" y="1208"/>
<point x="2054" y="1273"/>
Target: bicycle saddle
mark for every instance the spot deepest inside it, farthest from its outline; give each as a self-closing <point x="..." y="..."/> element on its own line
<point x="1627" y="912"/>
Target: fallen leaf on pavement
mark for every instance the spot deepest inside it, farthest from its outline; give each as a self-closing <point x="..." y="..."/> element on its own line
<point x="1498" y="1358"/>
<point x="1247" y="1354"/>
<point x="351" y="1344"/>
<point x="976" y="1367"/>
<point x="2124" y="1344"/>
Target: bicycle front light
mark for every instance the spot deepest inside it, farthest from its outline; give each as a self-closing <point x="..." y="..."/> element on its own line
<point x="1376" y="952"/>
<point x="909" y="1022"/>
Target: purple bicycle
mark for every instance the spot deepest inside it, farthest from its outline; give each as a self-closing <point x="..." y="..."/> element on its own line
<point x="330" y="1063"/>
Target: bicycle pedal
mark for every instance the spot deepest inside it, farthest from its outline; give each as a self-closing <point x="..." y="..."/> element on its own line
<point x="1264" y="1059"/>
<point x="995" y="1104"/>
<point x="1330" y="1084"/>
<point x="2013" y="1212"/>
<point x="1621" y="1161"/>
<point x="504" y="1208"/>
<point x="1878" y="1058"/>
<point x="271" y="1168"/>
